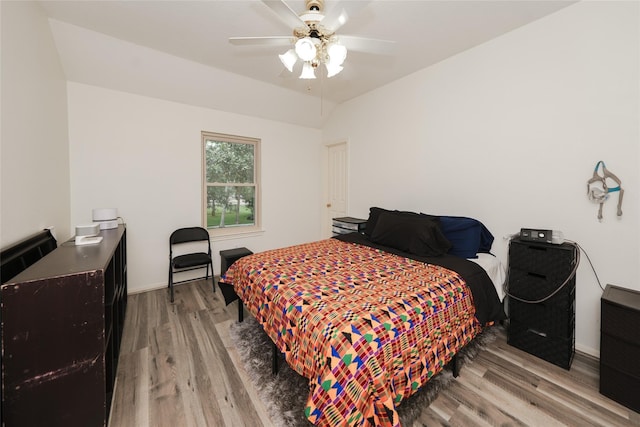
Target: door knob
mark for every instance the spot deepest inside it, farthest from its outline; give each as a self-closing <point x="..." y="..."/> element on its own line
<point x="328" y="205"/>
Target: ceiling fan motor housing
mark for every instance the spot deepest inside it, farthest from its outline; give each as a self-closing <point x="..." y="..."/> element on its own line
<point x="317" y="5"/>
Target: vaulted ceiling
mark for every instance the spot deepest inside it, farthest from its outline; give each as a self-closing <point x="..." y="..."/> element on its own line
<point x="179" y="50"/>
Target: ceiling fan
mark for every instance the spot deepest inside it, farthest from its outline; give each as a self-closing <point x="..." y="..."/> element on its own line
<point x="314" y="39"/>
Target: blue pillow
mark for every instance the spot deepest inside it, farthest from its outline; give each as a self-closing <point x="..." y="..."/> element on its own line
<point x="467" y="236"/>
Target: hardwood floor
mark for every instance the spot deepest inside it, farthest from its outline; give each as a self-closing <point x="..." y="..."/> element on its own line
<point x="178" y="368"/>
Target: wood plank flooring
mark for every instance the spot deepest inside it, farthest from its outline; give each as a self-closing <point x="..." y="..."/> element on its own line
<point x="178" y="368"/>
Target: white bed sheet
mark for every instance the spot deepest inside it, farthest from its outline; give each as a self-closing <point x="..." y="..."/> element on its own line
<point x="494" y="268"/>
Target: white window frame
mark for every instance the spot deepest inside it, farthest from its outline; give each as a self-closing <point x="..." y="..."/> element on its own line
<point x="237" y="231"/>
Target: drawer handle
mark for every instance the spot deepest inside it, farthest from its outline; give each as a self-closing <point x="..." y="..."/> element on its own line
<point x="533" y="331"/>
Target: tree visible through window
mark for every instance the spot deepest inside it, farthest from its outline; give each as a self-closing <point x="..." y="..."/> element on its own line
<point x="230" y="196"/>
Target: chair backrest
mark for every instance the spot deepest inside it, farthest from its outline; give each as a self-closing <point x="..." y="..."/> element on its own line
<point x="188" y="234"/>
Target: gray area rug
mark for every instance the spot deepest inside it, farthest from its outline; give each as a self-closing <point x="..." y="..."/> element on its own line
<point x="285" y="394"/>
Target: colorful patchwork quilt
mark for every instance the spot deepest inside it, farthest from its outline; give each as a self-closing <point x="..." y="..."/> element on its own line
<point x="366" y="327"/>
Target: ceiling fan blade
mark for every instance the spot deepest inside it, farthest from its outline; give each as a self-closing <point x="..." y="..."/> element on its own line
<point x="262" y="41"/>
<point x="286" y="14"/>
<point x="362" y="44"/>
<point x="341" y="12"/>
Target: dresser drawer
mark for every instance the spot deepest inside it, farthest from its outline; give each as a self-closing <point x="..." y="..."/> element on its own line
<point x="620" y="311"/>
<point x="620" y="387"/>
<point x="556" y="350"/>
<point x="340" y="230"/>
<point x="552" y="262"/>
<point x="348" y="224"/>
<point x="533" y="287"/>
<point x="544" y="318"/>
<point x="622" y="355"/>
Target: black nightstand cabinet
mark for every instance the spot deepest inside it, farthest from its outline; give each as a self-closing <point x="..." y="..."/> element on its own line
<point x="545" y="329"/>
<point x="228" y="257"/>
<point x="347" y="224"/>
<point x="620" y="346"/>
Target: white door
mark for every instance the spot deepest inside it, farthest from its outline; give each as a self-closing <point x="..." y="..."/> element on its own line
<point x="337" y="185"/>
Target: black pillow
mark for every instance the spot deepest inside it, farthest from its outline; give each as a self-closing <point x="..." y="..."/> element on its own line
<point x="414" y="234"/>
<point x="374" y="215"/>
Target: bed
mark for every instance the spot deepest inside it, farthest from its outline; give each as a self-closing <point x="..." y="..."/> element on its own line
<point x="369" y="318"/>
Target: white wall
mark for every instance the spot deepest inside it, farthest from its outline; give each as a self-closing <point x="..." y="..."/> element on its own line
<point x="509" y="132"/>
<point x="143" y="156"/>
<point x="34" y="153"/>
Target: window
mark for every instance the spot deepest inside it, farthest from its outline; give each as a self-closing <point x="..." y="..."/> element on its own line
<point x="231" y="184"/>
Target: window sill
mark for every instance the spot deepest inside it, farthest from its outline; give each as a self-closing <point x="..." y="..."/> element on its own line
<point x="232" y="235"/>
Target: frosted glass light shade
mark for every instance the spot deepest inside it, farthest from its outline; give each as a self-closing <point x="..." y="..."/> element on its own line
<point x="289" y="59"/>
<point x="307" y="71"/>
<point x="337" y="53"/>
<point x="333" y="69"/>
<point x="306" y="49"/>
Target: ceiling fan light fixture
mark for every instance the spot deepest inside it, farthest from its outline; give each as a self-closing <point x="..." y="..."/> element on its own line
<point x="289" y="59"/>
<point x="307" y="71"/>
<point x="337" y="53"/>
<point x="306" y="49"/>
<point x="315" y="40"/>
<point x="333" y="69"/>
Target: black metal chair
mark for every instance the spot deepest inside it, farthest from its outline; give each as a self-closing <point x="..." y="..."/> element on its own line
<point x="192" y="260"/>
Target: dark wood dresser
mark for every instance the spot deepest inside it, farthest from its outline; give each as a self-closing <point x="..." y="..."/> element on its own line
<point x="620" y="346"/>
<point x="62" y="322"/>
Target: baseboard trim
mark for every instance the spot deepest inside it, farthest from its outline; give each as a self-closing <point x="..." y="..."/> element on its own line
<point x="156" y="286"/>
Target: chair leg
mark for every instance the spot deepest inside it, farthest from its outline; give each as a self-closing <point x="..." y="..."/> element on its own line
<point x="213" y="278"/>
<point x="171" y="283"/>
